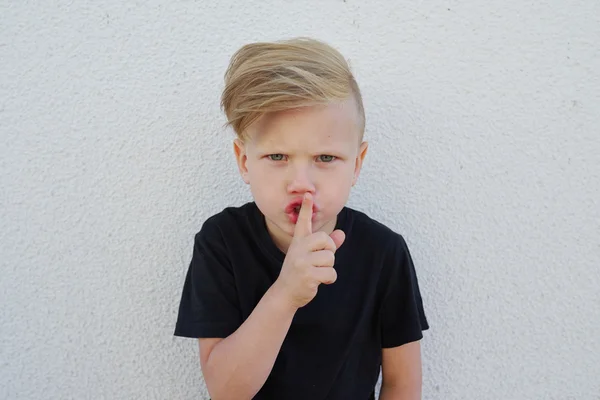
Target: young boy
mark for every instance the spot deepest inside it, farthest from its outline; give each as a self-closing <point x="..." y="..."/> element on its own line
<point x="295" y="295"/>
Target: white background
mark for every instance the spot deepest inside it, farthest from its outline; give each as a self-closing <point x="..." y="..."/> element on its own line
<point x="484" y="124"/>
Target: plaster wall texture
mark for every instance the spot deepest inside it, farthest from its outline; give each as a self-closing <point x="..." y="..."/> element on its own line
<point x="484" y="126"/>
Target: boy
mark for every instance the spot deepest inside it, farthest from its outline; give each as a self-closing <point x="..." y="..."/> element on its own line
<point x="294" y="295"/>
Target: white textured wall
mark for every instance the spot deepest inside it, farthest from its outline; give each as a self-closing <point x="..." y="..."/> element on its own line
<point x="484" y="123"/>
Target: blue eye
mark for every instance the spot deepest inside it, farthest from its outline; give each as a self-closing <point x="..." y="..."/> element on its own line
<point x="276" y="157"/>
<point x="326" y="158"/>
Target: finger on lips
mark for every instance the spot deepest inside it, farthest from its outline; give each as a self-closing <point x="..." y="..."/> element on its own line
<point x="304" y="223"/>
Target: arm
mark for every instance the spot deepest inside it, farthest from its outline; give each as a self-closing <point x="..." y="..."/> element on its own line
<point x="401" y="372"/>
<point x="238" y="366"/>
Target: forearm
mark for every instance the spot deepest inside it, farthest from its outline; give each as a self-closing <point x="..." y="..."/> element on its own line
<point x="239" y="365"/>
<point x="389" y="392"/>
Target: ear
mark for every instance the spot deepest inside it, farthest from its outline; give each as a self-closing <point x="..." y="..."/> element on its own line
<point x="362" y="152"/>
<point x="239" y="148"/>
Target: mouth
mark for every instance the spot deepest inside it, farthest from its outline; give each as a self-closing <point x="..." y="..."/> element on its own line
<point x="293" y="210"/>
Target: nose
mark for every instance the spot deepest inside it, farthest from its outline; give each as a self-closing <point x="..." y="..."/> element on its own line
<point x="300" y="180"/>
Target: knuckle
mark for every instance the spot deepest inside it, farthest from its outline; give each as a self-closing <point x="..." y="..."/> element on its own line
<point x="331" y="242"/>
<point x="322" y="237"/>
<point x="329" y="275"/>
<point x="330" y="258"/>
<point x="333" y="275"/>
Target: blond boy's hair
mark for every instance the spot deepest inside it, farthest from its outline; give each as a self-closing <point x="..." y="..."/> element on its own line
<point x="269" y="77"/>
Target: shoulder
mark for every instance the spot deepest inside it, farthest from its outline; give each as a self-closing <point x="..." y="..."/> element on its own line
<point x="373" y="233"/>
<point x="215" y="228"/>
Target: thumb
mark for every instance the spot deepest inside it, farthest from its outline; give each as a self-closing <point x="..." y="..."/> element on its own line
<point x="338" y="237"/>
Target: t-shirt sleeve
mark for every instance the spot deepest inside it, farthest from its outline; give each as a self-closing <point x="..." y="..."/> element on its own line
<point x="209" y="304"/>
<point x="403" y="318"/>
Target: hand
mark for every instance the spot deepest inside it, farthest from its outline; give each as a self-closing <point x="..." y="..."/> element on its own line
<point x="309" y="260"/>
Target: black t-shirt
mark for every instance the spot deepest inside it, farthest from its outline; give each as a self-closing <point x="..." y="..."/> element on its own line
<point x="333" y="348"/>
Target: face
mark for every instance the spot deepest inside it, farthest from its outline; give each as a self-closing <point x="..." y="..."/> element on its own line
<point x="314" y="149"/>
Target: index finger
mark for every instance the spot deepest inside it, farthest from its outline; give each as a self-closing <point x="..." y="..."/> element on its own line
<point x="304" y="223"/>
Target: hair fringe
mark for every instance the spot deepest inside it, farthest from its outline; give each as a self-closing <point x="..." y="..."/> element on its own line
<point x="267" y="77"/>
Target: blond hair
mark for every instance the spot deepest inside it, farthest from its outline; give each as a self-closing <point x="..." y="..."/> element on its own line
<point x="269" y="77"/>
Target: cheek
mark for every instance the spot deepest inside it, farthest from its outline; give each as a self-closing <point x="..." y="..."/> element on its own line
<point x="254" y="167"/>
<point x="344" y="175"/>
<point x="262" y="181"/>
<point x="260" y="174"/>
<point x="336" y="186"/>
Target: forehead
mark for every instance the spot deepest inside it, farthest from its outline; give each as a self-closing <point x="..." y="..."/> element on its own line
<point x="332" y="125"/>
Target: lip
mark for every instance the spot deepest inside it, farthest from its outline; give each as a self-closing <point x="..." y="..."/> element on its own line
<point x="297" y="203"/>
<point x="293" y="215"/>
